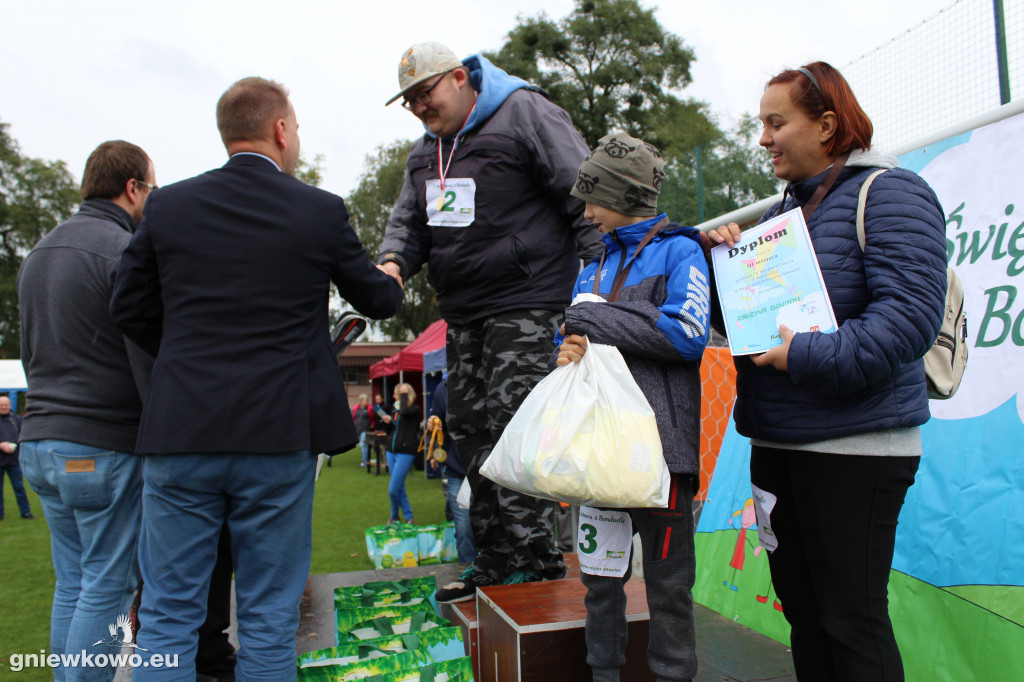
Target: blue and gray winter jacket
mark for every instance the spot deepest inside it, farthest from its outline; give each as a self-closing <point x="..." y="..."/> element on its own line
<point x="888" y="300"/>
<point x="659" y="323"/>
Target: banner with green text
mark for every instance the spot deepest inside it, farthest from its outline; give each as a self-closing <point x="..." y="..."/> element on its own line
<point x="956" y="590"/>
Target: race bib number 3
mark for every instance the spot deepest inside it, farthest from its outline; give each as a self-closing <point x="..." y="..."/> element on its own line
<point x="455" y="206"/>
<point x="604" y="541"/>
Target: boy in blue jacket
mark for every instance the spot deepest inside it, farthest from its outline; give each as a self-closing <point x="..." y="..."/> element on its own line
<point x="654" y="282"/>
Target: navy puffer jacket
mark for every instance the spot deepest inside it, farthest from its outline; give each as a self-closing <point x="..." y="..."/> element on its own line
<point x="888" y="300"/>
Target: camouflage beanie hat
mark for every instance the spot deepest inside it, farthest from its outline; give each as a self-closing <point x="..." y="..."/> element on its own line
<point x="623" y="174"/>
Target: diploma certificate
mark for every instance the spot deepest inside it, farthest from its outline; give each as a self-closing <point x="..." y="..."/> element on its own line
<point x="770" y="277"/>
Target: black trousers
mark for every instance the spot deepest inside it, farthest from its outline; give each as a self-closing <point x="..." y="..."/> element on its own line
<point x="835" y="521"/>
<point x="666" y="536"/>
<point x="216" y="655"/>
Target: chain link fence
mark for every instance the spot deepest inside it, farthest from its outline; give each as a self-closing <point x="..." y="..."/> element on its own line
<point x="940" y="72"/>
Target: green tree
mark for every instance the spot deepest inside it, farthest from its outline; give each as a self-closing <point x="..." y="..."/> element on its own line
<point x="369" y="206"/>
<point x="612" y="66"/>
<point x="310" y="173"/>
<point x="35" y="196"/>
<point x="734" y="171"/>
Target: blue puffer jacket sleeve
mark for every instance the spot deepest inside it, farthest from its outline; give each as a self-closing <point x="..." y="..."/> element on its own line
<point x="904" y="267"/>
<point x="888" y="300"/>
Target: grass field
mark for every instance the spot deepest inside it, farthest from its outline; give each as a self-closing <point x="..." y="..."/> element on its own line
<point x="347" y="501"/>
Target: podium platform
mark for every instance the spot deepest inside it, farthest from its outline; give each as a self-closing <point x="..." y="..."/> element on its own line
<point x="535" y="631"/>
<point x="727" y="651"/>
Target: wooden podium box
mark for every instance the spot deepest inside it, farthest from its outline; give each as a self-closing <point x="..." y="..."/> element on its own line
<point x="463" y="614"/>
<point x="534" y="631"/>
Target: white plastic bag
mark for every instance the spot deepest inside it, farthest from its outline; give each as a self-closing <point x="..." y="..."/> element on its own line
<point x="585" y="435"/>
<point x="465" y="496"/>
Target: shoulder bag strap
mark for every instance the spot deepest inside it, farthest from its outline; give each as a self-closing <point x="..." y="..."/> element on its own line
<point x="824" y="187"/>
<point x="620" y="279"/>
<point x="862" y="202"/>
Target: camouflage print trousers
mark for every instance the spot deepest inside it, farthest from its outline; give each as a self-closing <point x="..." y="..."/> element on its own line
<point x="493" y="364"/>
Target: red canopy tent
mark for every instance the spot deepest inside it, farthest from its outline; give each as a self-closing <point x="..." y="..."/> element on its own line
<point x="406" y="366"/>
<point x="410" y="359"/>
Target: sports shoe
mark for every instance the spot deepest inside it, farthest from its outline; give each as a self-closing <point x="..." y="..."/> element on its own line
<point x="522" y="577"/>
<point x="28" y="516"/>
<point x="464" y="588"/>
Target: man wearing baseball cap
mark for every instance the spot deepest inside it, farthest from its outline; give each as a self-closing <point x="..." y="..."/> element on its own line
<point x="486" y="205"/>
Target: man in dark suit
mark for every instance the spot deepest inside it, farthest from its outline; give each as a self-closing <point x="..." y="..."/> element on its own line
<point x="226" y="283"/>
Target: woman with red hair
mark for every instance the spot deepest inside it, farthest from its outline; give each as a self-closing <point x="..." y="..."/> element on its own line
<point x="833" y="419"/>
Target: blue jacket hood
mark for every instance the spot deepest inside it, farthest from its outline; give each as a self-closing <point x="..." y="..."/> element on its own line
<point x="493" y="86"/>
<point x="631" y="235"/>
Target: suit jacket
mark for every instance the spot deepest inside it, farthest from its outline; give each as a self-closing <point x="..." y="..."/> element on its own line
<point x="226" y="282"/>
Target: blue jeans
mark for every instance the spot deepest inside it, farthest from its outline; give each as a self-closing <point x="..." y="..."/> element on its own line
<point x="267" y="501"/>
<point x="463" y="527"/>
<point x="365" y="447"/>
<point x="91" y="499"/>
<point x="14" y="473"/>
<point x="398" y="466"/>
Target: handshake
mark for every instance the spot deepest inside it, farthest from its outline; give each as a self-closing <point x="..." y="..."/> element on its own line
<point x="391" y="268"/>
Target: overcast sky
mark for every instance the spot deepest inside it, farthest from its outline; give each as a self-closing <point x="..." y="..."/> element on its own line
<point x="73" y="74"/>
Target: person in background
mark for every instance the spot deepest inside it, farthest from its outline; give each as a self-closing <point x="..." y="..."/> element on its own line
<point x="453" y="470"/>
<point x="363" y="420"/>
<point x="85" y="388"/>
<point x="401" y="452"/>
<point x="215" y="655"/>
<point x="380" y="422"/>
<point x="834" y="419"/>
<point x="10" y="433"/>
<point x="654" y="280"/>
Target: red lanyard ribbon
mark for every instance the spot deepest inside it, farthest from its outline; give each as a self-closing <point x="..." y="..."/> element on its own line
<point x="442" y="171"/>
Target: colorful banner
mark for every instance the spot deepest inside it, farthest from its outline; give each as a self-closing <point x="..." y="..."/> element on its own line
<point x="956" y="590"/>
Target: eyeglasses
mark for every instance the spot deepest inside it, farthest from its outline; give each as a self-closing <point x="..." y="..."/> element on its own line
<point x="424" y="97"/>
<point x="146" y="184"/>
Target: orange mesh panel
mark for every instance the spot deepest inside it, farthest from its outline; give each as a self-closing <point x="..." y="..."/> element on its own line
<point x="718" y="392"/>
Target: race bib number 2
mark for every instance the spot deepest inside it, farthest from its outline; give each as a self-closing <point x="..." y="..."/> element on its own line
<point x="455" y="206"/>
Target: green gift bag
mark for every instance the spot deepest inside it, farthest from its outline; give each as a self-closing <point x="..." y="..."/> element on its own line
<point x="405" y="592"/>
<point x="449" y="550"/>
<point x="406" y="620"/>
<point x="393" y="545"/>
<point x="430" y="540"/>
<point x="457" y="670"/>
<point x="439" y="643"/>
<point x="363" y="667"/>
